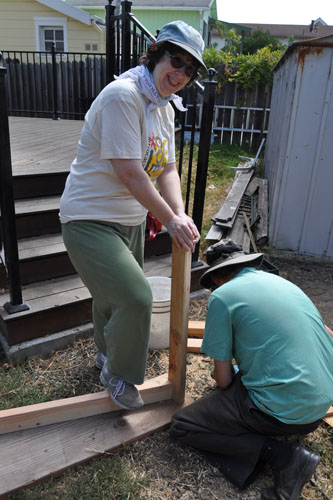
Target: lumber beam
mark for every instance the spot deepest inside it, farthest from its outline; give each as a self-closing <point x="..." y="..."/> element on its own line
<point x="194" y="345"/>
<point x="227" y="213"/>
<point x="180" y="300"/>
<point x="328" y="418"/>
<point x="196" y="328"/>
<point x="62" y="410"/>
<point x="34" y="455"/>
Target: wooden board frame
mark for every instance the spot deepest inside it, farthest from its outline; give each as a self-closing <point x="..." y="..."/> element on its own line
<point x="165" y="387"/>
<point x="80" y="428"/>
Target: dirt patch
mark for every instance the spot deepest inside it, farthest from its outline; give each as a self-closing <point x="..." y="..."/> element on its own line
<point x="313" y="275"/>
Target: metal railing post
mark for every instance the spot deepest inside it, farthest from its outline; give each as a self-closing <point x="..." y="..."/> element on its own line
<point x="54" y="83"/>
<point x="110" y="42"/>
<point x="8" y="208"/>
<point x="125" y="36"/>
<point x="203" y="154"/>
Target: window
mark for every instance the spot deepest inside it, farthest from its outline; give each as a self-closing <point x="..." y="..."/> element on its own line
<point x="93" y="47"/>
<point x="53" y="35"/>
<point x="49" y="30"/>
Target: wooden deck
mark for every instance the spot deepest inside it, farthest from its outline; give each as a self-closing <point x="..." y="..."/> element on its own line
<point x="41" y="144"/>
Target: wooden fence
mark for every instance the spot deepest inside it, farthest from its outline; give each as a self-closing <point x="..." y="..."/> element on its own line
<point x="240" y="116"/>
<point x="52" y="84"/>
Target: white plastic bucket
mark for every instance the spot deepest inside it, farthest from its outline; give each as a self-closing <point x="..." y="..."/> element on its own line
<point x="160" y="318"/>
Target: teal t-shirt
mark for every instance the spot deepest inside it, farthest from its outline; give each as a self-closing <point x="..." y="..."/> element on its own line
<point x="280" y="343"/>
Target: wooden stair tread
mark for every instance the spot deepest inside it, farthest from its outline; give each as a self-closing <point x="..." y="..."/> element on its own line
<point x="41" y="246"/>
<point x="37" y="205"/>
<point x="47" y="295"/>
<point x="62" y="291"/>
<point x="42" y="168"/>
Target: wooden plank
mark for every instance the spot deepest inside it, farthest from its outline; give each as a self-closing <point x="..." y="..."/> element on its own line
<point x="233" y="199"/>
<point x="44" y="303"/>
<point x="246" y="242"/>
<point x="62" y="410"/>
<point x="328" y="420"/>
<point x="237" y="231"/>
<point x="262" y="224"/>
<point x="180" y="295"/>
<point x="329" y="412"/>
<point x="252" y="187"/>
<point x="39" y="241"/>
<point x="29" y="456"/>
<point x="196" y="328"/>
<point x="215" y="232"/>
<point x="28" y="151"/>
<point x="42" y="251"/>
<point x="52" y="287"/>
<point x="33" y="205"/>
<point x="248" y="227"/>
<point x="194" y="345"/>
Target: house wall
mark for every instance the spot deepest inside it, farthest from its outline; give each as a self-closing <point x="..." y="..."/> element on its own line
<point x="154" y="20"/>
<point x="299" y="152"/>
<point x="17" y="27"/>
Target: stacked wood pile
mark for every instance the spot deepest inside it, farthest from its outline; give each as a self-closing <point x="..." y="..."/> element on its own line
<point x="243" y="216"/>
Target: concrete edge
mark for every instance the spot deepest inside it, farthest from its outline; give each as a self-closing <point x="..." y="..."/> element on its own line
<point x="43" y="346"/>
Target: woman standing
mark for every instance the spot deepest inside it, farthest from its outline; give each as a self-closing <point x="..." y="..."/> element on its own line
<point x="127" y="145"/>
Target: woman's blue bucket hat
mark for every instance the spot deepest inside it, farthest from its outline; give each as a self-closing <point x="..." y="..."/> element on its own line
<point x="186" y="37"/>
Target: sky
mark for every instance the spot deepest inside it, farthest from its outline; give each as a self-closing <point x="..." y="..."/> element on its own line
<point x="277" y="12"/>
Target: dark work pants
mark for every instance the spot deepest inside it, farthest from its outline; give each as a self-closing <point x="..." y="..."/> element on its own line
<point x="231" y="430"/>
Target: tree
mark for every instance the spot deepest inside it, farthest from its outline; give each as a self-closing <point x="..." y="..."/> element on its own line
<point x="232" y="40"/>
<point x="258" y="40"/>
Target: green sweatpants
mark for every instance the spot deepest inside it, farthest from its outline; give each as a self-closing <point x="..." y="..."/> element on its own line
<point x="109" y="259"/>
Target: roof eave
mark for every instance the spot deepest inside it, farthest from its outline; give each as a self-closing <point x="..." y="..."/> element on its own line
<point x="69" y="10"/>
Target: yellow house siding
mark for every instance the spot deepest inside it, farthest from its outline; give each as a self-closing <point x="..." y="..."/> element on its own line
<point x="17" y="27"/>
<point x="79" y="35"/>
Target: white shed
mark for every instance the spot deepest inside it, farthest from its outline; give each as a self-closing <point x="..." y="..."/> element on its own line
<point x="299" y="154"/>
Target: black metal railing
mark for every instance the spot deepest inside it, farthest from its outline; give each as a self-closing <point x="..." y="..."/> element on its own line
<point x="9" y="248"/>
<point x="126" y="38"/>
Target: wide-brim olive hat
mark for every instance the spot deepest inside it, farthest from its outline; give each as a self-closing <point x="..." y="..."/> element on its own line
<point x="226" y="253"/>
<point x="185" y="36"/>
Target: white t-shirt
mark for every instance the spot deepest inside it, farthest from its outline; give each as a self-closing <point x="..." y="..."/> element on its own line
<point x="116" y="126"/>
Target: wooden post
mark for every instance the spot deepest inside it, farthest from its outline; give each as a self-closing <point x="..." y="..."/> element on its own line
<point x="180" y="297"/>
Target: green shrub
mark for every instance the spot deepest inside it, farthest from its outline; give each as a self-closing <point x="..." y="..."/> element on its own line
<point x="247" y="71"/>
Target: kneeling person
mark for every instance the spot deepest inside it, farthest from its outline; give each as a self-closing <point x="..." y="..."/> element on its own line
<point x="285" y="381"/>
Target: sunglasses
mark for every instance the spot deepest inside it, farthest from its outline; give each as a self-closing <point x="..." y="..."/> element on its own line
<point x="178" y="62"/>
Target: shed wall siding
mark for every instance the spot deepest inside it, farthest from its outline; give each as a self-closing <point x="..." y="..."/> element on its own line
<point x="299" y="154"/>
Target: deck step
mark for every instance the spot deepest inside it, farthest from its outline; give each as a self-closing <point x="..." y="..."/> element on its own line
<point x="54" y="305"/>
<point x="59" y="304"/>
<point x="45" y="257"/>
<point x="37" y="216"/>
<point x="41" y="183"/>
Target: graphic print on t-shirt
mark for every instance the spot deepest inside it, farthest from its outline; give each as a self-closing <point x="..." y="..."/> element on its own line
<point x="156" y="157"/>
